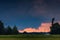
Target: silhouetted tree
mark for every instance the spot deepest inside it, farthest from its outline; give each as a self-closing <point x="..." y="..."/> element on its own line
<point x="14" y="30"/>
<point x="53" y="21"/>
<point x="8" y="30"/>
<point x="55" y="29"/>
<point x="1" y="27"/>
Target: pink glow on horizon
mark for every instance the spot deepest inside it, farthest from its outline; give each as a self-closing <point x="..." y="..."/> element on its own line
<point x="45" y="27"/>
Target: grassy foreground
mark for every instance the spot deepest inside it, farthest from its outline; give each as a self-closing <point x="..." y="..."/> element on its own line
<point x="29" y="37"/>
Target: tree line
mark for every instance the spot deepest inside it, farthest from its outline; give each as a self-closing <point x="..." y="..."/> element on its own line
<point x="55" y="29"/>
<point x="8" y="30"/>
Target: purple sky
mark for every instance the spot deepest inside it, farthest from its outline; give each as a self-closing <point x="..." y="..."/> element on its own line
<point x="28" y="13"/>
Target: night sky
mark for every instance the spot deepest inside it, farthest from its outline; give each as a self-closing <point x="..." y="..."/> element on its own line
<point x="28" y="13"/>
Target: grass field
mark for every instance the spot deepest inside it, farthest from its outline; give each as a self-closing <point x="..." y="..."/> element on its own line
<point x="29" y="37"/>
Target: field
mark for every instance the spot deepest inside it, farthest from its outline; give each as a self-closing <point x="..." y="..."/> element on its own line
<point x="29" y="37"/>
